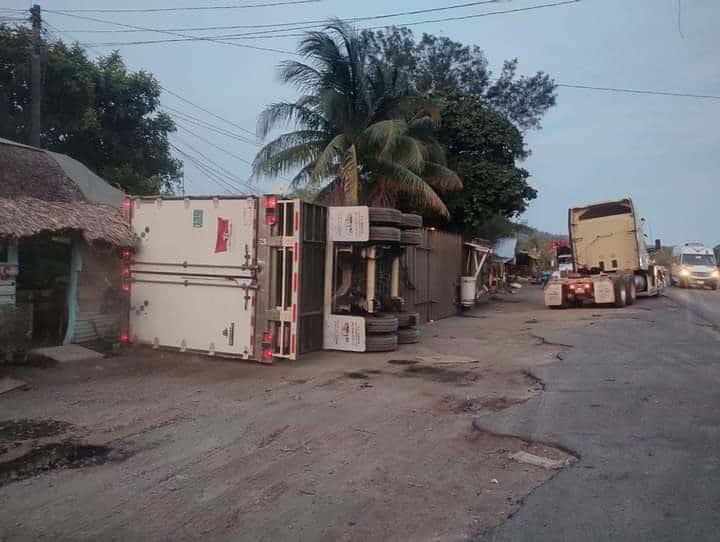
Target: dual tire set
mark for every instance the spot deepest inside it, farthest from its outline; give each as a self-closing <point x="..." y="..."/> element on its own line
<point x="385" y="331"/>
<point x="394" y="227"/>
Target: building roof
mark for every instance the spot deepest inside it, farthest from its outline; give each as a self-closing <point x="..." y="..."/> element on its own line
<point x="95" y="222"/>
<point x="43" y="191"/>
<point x="37" y="173"/>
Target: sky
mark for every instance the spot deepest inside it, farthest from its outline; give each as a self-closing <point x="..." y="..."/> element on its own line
<point x="662" y="151"/>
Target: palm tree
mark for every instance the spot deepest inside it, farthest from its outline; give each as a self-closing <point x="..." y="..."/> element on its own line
<point x="359" y="127"/>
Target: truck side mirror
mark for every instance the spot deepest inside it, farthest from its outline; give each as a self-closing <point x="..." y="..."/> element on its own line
<point x="658" y="245"/>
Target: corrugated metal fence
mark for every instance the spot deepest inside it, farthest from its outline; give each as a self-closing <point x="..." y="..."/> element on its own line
<point x="431" y="274"/>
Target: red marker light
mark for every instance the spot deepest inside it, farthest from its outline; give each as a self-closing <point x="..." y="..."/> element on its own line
<point x="126" y="287"/>
<point x="270" y="202"/>
<point x="125" y="254"/>
<point x="267" y="353"/>
<point x="271" y="219"/>
<point x="124" y="338"/>
<point x="267" y="337"/>
<point x="126" y="271"/>
<point x="127" y="203"/>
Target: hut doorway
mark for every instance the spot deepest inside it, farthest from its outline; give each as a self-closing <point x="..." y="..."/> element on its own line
<point x="43" y="281"/>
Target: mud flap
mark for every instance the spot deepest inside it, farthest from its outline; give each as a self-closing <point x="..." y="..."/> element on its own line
<point x="604" y="291"/>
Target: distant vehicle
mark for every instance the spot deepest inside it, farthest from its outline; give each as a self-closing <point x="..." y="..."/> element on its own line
<point x="565" y="263"/>
<point x="693" y="264"/>
<point x="611" y="261"/>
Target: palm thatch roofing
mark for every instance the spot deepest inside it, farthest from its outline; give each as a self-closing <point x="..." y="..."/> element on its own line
<point x="95" y="222"/>
<point x="42" y="191"/>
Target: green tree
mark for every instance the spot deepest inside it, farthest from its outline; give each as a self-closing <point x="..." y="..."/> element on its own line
<point x="437" y="63"/>
<point x="359" y="128"/>
<point x="95" y="111"/>
<point x="484" y="148"/>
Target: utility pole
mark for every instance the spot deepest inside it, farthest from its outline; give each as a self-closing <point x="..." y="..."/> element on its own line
<point x="35" y="90"/>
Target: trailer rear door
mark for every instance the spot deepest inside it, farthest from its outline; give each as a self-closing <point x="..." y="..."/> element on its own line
<point x="193" y="278"/>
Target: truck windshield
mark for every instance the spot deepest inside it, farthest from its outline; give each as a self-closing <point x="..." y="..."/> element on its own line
<point x="698" y="259"/>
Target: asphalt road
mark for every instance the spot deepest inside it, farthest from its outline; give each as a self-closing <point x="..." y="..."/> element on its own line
<point x="638" y="400"/>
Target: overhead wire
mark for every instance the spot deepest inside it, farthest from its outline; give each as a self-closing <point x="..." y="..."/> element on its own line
<point x="313" y="22"/>
<point x="201" y="38"/>
<point x="211" y="173"/>
<point x="227" y="173"/>
<point x="641" y="91"/>
<point x="208" y="126"/>
<point x="223" y="38"/>
<point x="191" y="8"/>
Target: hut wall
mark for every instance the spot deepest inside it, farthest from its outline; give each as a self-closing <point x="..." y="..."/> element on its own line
<point x="99" y="295"/>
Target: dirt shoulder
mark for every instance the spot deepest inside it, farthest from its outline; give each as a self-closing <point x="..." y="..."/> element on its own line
<point x="335" y="446"/>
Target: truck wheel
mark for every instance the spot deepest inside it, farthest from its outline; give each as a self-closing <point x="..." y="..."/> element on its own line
<point x="384" y="216"/>
<point x="411" y="237"/>
<point x="381" y="323"/>
<point x="409" y="335"/>
<point x="385" y="234"/>
<point x="714" y="286"/>
<point x="632" y="291"/>
<point x="411" y="221"/>
<point x="621" y="293"/>
<point x="407" y="319"/>
<point x="381" y="343"/>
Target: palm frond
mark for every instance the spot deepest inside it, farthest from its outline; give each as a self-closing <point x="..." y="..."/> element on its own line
<point x="441" y="177"/>
<point x="396" y="179"/>
<point x="299" y="74"/>
<point x="288" y="113"/>
<point x="327" y="161"/>
<point x="270" y="163"/>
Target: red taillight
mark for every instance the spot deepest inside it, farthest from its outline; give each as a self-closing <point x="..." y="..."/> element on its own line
<point x="271" y="202"/>
<point x="127" y="203"/>
<point x="267" y="337"/>
<point x="124" y="338"/>
<point x="572" y="286"/>
<point x="126" y="287"/>
<point x="126" y="271"/>
<point x="125" y="254"/>
<point x="267" y="353"/>
<point x="270" y="218"/>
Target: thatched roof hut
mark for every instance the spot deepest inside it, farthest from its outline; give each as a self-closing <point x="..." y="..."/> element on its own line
<point x="95" y="222"/>
<point x="42" y="191"/>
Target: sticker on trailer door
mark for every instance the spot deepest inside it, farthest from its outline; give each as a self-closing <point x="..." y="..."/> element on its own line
<point x="344" y="333"/>
<point x="223" y="235"/>
<point x="348" y="224"/>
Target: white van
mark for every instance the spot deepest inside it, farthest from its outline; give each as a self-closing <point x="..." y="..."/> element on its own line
<point x="693" y="264"/>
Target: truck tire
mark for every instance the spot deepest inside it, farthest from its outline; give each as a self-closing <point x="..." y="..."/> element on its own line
<point x="381" y="323"/>
<point x="411" y="221"/>
<point x="407" y="319"/>
<point x="386" y="342"/>
<point x="632" y="291"/>
<point x="384" y="216"/>
<point x="385" y="234"/>
<point x="409" y="335"/>
<point x="621" y="292"/>
<point x="411" y="237"/>
<point x="714" y="286"/>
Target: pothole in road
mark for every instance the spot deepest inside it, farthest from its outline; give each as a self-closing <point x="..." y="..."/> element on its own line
<point x="441" y="374"/>
<point x="403" y="362"/>
<point x="58" y="455"/>
<point x="13" y="430"/>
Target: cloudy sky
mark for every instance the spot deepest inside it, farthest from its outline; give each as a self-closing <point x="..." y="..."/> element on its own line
<point x="662" y="151"/>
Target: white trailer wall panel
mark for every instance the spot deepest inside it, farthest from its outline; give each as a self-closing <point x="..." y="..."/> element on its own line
<point x="194" y="274"/>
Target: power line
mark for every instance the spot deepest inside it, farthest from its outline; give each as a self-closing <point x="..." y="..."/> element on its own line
<point x="192" y="38"/>
<point x="191" y="8"/>
<point x="311" y="27"/>
<point x="321" y="22"/>
<point x="641" y="91"/>
<point x="227" y="173"/>
<point x="218" y="147"/>
<point x="212" y="174"/>
<point x="203" y="124"/>
<point x="231" y="123"/>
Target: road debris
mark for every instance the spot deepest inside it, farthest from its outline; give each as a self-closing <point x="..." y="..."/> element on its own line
<point x="536" y="460"/>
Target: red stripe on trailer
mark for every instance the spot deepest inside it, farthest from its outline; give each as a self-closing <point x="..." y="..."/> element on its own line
<point x="297" y="220"/>
<point x="295" y="280"/>
<point x="295" y="251"/>
<point x="294" y="312"/>
<point x="292" y="343"/>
